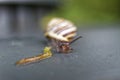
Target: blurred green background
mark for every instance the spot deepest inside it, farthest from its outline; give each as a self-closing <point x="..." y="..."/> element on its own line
<point x="88" y="11"/>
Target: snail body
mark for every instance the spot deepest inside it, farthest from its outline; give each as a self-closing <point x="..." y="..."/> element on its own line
<point x="61" y="33"/>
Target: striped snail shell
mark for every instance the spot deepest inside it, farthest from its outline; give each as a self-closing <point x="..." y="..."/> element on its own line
<point x="60" y="29"/>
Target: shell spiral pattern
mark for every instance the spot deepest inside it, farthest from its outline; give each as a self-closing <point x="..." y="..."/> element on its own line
<point x="60" y="29"/>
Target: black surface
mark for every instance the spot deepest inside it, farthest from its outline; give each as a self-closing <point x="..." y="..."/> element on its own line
<point x="95" y="57"/>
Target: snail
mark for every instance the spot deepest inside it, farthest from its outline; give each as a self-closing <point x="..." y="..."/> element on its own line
<point x="61" y="33"/>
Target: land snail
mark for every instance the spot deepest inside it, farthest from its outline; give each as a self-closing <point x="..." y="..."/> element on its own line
<point x="61" y="34"/>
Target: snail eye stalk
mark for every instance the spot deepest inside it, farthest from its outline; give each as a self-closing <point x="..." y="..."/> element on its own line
<point x="75" y="39"/>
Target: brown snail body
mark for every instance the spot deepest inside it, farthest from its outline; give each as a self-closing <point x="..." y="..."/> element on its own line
<point x="61" y="33"/>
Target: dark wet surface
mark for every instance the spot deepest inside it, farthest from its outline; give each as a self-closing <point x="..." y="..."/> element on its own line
<point x="95" y="57"/>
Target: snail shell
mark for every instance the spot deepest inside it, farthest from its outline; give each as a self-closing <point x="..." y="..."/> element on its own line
<point x="60" y="29"/>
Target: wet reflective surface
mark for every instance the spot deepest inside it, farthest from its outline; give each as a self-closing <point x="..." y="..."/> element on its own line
<point x="95" y="57"/>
